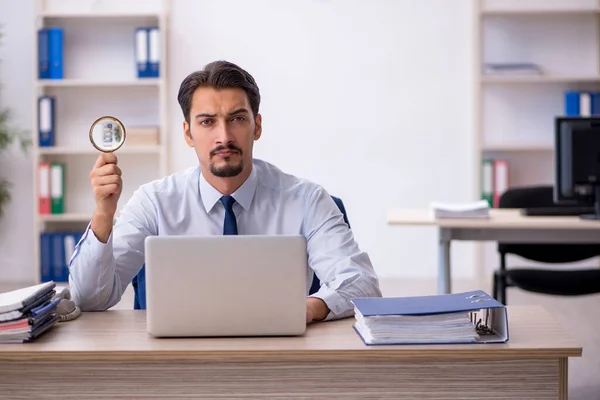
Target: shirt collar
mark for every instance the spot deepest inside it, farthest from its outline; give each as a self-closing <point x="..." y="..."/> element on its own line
<point x="210" y="196"/>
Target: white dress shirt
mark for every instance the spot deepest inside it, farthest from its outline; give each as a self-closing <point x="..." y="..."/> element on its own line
<point x="268" y="202"/>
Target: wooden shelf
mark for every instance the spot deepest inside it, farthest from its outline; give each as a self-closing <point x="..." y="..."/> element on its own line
<point x="67" y="217"/>
<point x="538" y="79"/>
<point x="98" y="83"/>
<point x="85" y="150"/>
<point x="518" y="147"/>
<point x="539" y="11"/>
<point x="99" y="15"/>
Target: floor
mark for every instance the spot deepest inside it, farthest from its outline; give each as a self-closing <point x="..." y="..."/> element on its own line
<point x="580" y="316"/>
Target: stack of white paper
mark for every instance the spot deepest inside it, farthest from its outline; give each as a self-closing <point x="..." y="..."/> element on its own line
<point x="512" y="69"/>
<point x="437" y="328"/>
<point x="478" y="209"/>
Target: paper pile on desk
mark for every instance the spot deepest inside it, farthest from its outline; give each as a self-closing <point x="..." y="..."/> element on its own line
<point x="27" y="313"/>
<point x="478" y="209"/>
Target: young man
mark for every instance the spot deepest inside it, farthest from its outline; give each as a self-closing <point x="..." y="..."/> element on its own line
<point x="230" y="192"/>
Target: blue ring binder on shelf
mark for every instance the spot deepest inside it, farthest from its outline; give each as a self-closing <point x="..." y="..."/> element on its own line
<point x="460" y="318"/>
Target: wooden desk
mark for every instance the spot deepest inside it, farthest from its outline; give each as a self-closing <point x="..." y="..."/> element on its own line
<point x="504" y="225"/>
<point x="110" y="355"/>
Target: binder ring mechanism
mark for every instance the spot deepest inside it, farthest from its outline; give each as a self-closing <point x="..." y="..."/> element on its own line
<point x="478" y="300"/>
<point x="482" y="325"/>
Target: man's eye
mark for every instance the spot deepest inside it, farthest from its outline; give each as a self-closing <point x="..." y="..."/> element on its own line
<point x="206" y="122"/>
<point x="238" y="119"/>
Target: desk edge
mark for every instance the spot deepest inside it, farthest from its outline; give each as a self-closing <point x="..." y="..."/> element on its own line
<point x="298" y="355"/>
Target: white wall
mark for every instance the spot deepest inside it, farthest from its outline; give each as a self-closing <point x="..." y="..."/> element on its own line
<point x="369" y="98"/>
<point x="372" y="99"/>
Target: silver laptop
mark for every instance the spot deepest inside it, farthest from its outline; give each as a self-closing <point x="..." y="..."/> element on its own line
<point x="226" y="285"/>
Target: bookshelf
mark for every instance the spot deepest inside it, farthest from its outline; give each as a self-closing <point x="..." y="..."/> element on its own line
<point x="514" y="114"/>
<point x="99" y="78"/>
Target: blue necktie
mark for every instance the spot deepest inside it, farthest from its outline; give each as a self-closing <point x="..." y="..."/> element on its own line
<point x="230" y="224"/>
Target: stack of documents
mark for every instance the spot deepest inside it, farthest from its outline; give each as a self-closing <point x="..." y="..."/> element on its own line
<point x="478" y="209"/>
<point x="512" y="69"/>
<point x="470" y="317"/>
<point x="27" y="313"/>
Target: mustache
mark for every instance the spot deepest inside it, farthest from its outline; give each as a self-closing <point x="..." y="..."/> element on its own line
<point x="230" y="146"/>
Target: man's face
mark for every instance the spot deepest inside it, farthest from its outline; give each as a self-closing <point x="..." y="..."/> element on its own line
<point x="222" y="130"/>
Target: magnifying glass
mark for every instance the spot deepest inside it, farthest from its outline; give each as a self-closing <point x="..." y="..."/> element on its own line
<point x="107" y="134"/>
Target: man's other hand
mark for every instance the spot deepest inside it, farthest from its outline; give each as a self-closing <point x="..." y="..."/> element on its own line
<point x="316" y="310"/>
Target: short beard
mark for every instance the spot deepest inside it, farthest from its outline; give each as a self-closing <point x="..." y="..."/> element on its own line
<point x="227" y="171"/>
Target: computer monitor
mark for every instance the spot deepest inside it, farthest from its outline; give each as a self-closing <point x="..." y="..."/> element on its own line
<point x="577" y="163"/>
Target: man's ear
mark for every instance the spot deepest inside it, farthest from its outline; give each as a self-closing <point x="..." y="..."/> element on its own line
<point x="258" y="128"/>
<point x="187" y="134"/>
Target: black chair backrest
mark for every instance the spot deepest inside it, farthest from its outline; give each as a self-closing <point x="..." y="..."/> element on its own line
<point x="526" y="197"/>
<point x="541" y="196"/>
<point x="316" y="283"/>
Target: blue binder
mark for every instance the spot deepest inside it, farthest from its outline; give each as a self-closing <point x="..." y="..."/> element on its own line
<point x="493" y="328"/>
<point x="55" y="53"/>
<point x="46" y="113"/>
<point x="572" y="104"/>
<point x="141" y="49"/>
<point x="153" y="52"/>
<point x="43" y="58"/>
<point x="595" y="106"/>
<point x="58" y="258"/>
<point x="45" y="257"/>
<point x="71" y="239"/>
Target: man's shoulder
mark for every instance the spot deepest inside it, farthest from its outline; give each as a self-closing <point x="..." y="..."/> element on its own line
<point x="273" y="178"/>
<point x="174" y="183"/>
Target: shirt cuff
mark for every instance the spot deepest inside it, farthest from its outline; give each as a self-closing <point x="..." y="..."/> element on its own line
<point x="338" y="306"/>
<point x="97" y="249"/>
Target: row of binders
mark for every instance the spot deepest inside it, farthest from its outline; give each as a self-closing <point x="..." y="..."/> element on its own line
<point x="469" y="317"/>
<point x="51" y="52"/>
<point x="56" y="250"/>
<point x="27" y="313"/>
<point x="51" y="188"/>
<point x="494" y="180"/>
<point x="147" y="52"/>
<point x="582" y="103"/>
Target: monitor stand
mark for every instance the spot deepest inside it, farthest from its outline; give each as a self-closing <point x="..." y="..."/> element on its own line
<point x="596" y="214"/>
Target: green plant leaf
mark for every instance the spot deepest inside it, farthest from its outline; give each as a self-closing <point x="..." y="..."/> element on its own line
<point x="8" y="134"/>
<point x="4" y="195"/>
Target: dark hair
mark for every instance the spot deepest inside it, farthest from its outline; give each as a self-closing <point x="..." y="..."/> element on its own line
<point x="218" y="75"/>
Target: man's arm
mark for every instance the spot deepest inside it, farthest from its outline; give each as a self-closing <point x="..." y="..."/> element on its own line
<point x="344" y="270"/>
<point x="100" y="272"/>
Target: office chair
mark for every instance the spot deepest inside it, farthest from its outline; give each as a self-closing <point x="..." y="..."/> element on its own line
<point x="539" y="280"/>
<point x="139" y="281"/>
<point x="316" y="284"/>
